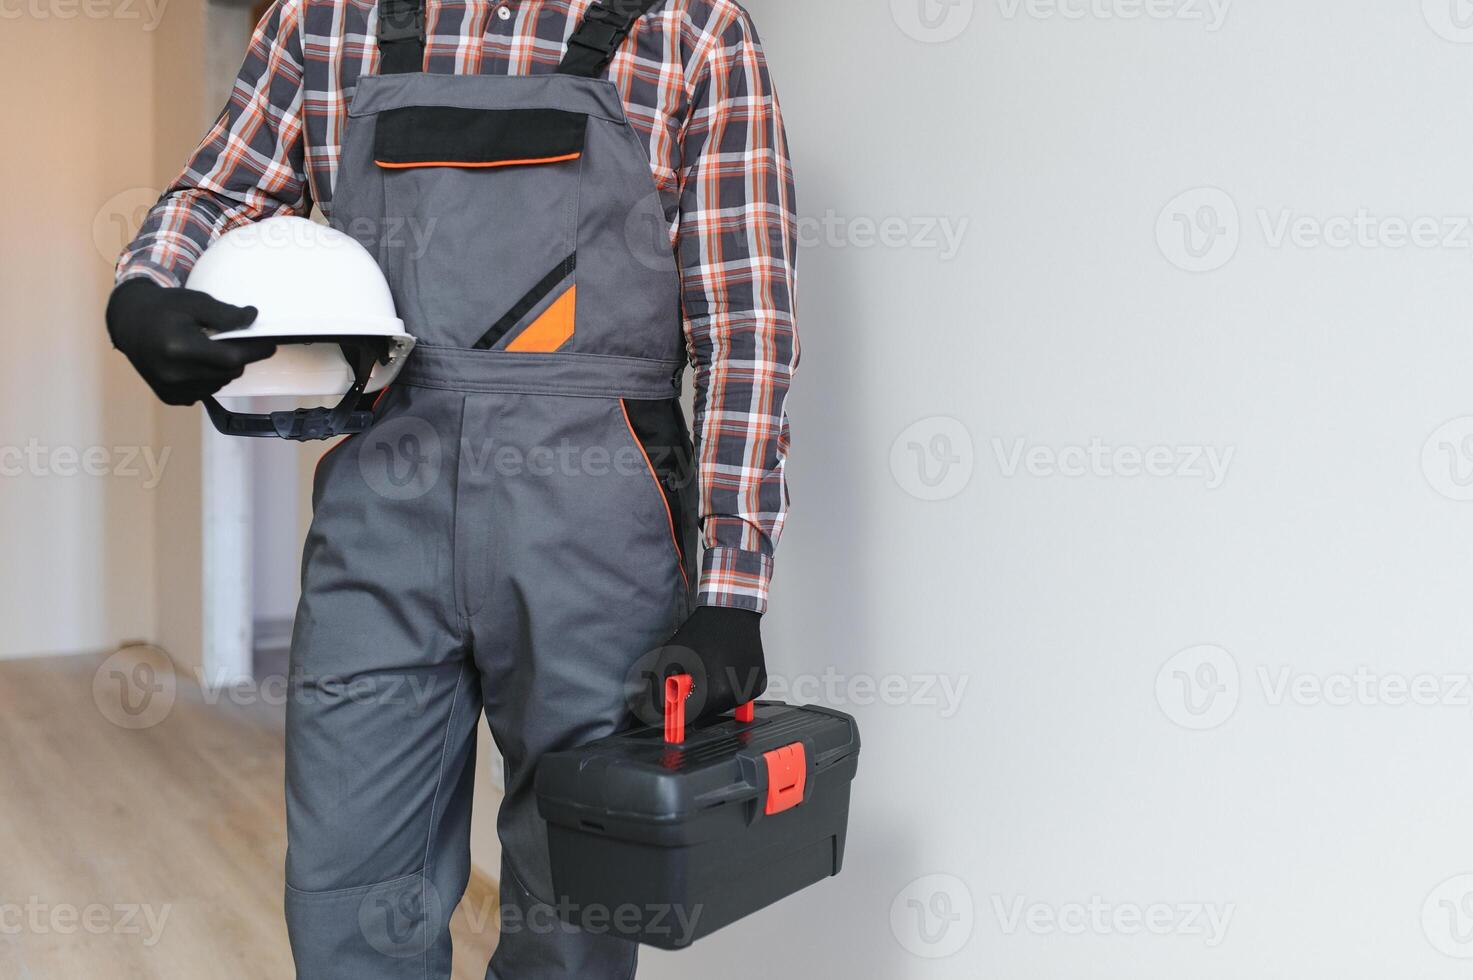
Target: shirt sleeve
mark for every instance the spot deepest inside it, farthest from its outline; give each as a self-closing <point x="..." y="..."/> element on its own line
<point x="736" y="248"/>
<point x="249" y="167"/>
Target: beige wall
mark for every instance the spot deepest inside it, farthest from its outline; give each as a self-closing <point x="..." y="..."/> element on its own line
<point x="77" y="571"/>
<point x="184" y="114"/>
<point x="90" y="561"/>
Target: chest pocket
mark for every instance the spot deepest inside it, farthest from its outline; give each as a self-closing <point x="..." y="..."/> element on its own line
<point x="487" y="203"/>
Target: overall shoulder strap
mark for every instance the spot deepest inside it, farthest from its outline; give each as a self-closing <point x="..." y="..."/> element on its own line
<point x="603" y="30"/>
<point x="401" y="36"/>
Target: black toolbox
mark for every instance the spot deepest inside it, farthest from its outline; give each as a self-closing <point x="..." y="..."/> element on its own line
<point x="663" y="837"/>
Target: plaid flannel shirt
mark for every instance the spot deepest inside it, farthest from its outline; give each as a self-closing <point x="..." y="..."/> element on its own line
<point x="695" y="86"/>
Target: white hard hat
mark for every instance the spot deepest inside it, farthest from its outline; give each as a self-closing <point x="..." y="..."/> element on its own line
<point x="324" y="299"/>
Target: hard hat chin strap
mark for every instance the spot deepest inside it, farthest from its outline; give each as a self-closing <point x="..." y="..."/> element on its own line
<point x="311" y="424"/>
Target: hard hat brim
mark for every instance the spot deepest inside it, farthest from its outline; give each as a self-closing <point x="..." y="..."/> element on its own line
<point x="319" y="330"/>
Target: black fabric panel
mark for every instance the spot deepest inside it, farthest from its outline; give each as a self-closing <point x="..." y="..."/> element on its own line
<point x="660" y="428"/>
<point x="605" y="26"/>
<point x="450" y="134"/>
<point x="525" y="305"/>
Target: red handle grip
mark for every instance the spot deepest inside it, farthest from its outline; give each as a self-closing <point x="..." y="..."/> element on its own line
<point x="677" y="689"/>
<point x="677" y="692"/>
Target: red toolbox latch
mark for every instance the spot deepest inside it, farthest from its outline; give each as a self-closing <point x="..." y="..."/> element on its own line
<point x="787" y="777"/>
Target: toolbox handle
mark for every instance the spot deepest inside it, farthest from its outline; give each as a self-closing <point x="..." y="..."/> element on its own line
<point x="677" y="692"/>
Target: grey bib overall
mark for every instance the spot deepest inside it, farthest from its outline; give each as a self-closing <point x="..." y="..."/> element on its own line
<point x="512" y="533"/>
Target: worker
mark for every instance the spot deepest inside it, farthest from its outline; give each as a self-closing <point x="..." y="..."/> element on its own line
<point x="504" y="161"/>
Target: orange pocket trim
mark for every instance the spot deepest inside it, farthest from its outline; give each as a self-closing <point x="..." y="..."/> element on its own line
<point x="477" y="165"/>
<point x="552" y="329"/>
<point x="664" y="502"/>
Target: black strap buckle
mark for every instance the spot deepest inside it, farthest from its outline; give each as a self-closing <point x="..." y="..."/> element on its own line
<point x="603" y="29"/>
<point x="401" y="20"/>
<point x="312" y="424"/>
<point x="599" y="35"/>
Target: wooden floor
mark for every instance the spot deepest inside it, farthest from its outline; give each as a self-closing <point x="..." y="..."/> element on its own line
<point x="150" y="853"/>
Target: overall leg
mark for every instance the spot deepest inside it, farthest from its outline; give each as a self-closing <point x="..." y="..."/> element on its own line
<point x="582" y="579"/>
<point x="383" y="708"/>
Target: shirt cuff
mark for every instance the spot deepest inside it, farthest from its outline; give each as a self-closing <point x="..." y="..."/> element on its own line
<point x="146" y="270"/>
<point x="735" y="579"/>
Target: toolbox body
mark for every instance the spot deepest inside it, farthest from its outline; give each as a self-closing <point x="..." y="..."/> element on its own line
<point x="665" y="843"/>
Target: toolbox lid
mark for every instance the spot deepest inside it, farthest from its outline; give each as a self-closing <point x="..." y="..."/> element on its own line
<point x="637" y="776"/>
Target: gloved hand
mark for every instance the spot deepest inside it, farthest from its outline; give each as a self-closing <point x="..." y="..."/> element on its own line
<point x="163" y="332"/>
<point x="721" y="649"/>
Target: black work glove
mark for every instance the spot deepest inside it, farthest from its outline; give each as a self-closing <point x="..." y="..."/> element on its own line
<point x="163" y="332"/>
<point x="722" y="651"/>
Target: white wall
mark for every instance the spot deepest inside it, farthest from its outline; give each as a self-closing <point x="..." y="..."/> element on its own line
<point x="79" y="462"/>
<point x="1070" y="772"/>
